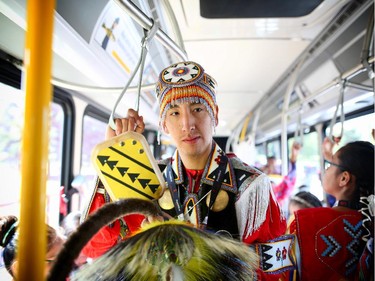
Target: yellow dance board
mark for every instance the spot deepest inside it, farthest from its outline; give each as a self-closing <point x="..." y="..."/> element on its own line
<point x="127" y="168"/>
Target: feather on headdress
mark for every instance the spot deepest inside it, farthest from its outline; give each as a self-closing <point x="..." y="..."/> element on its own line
<point x="171" y="250"/>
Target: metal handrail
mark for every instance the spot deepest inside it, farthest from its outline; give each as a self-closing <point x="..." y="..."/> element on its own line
<point x="143" y="20"/>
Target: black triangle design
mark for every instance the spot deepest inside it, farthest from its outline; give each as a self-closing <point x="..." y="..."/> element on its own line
<point x="190" y="206"/>
<point x="103" y="159"/>
<point x="144" y="182"/>
<point x="193" y="75"/>
<point x="266" y="266"/>
<point x="162" y="167"/>
<point x="266" y="257"/>
<point x="122" y="170"/>
<point x="181" y="80"/>
<point x="153" y="187"/>
<point x="168" y="80"/>
<point x="211" y="83"/>
<point x="112" y="164"/>
<point x="226" y="179"/>
<point x="266" y="248"/>
<point x="211" y="176"/>
<point x="241" y="176"/>
<point x="133" y="177"/>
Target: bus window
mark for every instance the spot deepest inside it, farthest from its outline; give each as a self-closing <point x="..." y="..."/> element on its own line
<point x="266" y="151"/>
<point x="359" y="128"/>
<point x="54" y="164"/>
<point x="11" y="108"/>
<point x="273" y="151"/>
<point x="93" y="133"/>
<point x="12" y="116"/>
<point x="260" y="158"/>
<point x="308" y="165"/>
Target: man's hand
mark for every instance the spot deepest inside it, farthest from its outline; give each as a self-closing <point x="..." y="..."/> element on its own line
<point x="132" y="123"/>
<point x="327" y="148"/>
<point x="296" y="147"/>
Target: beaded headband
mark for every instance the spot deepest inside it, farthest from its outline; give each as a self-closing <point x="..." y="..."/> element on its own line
<point x="185" y="82"/>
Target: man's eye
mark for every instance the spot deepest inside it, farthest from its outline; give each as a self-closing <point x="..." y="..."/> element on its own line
<point x="198" y="109"/>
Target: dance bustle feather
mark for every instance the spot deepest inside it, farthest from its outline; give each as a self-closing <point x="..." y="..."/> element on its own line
<point x="170" y="250"/>
<point x="173" y="250"/>
<point x="103" y="216"/>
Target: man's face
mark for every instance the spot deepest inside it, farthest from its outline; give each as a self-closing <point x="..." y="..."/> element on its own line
<point x="190" y="127"/>
<point x="271" y="161"/>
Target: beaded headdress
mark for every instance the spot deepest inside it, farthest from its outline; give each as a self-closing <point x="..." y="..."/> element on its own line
<point x="185" y="82"/>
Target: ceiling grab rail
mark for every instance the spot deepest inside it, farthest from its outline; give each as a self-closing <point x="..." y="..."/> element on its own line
<point x="340" y="104"/>
<point x="358" y="69"/>
<point x="146" y="23"/>
<point x="148" y="35"/>
<point x="365" y="56"/>
<point x="367" y="46"/>
<point x="143" y="20"/>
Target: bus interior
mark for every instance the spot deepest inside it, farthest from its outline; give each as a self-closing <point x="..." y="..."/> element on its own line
<point x="286" y="70"/>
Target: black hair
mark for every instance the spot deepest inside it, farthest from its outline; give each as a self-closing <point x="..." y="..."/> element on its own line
<point x="8" y="227"/>
<point x="306" y="200"/>
<point x="358" y="158"/>
<point x="8" y="239"/>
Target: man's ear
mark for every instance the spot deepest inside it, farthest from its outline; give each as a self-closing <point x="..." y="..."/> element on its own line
<point x="165" y="129"/>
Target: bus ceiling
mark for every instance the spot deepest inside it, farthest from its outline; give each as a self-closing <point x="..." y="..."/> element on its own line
<point x="224" y="9"/>
<point x="342" y="56"/>
<point x="326" y="38"/>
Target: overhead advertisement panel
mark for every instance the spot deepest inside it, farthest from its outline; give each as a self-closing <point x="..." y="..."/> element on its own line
<point x="116" y="34"/>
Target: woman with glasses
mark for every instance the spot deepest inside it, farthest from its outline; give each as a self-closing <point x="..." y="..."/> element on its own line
<point x="8" y="240"/>
<point x="331" y="243"/>
<point x="337" y="243"/>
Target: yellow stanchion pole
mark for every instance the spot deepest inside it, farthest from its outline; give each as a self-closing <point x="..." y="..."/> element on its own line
<point x="244" y="127"/>
<point x="35" y="142"/>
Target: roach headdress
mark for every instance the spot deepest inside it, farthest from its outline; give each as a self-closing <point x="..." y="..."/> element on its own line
<point x="186" y="82"/>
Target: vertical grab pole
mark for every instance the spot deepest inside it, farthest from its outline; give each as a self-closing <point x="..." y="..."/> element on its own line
<point x="284" y="117"/>
<point x="37" y="61"/>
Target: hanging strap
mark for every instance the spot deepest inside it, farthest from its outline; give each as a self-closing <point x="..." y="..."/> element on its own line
<point x="174" y="193"/>
<point x="298" y="134"/>
<point x="148" y="35"/>
<point x="340" y="103"/>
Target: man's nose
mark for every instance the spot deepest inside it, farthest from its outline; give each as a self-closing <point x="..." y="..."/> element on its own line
<point x="187" y="121"/>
